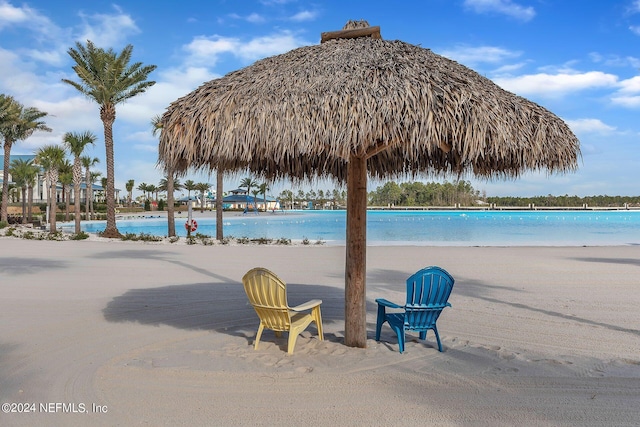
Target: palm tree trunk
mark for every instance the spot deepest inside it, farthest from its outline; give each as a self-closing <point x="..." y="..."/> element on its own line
<point x="77" y="177"/>
<point x="5" y="181"/>
<point x="219" y="233"/>
<point x="24" y="204"/>
<point x="30" y="203"/>
<point x="65" y="194"/>
<point x="171" y="220"/>
<point x="108" y="116"/>
<point x="53" y="180"/>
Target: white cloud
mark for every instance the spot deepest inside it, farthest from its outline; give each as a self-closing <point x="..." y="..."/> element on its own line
<point x="305" y="15"/>
<point x="13" y="15"/>
<point x="480" y="54"/>
<point x="206" y="50"/>
<point x="255" y="18"/>
<point x="631" y="85"/>
<point x="556" y="84"/>
<point x="589" y="126"/>
<point x="629" y="93"/>
<point x="615" y="60"/>
<point x="506" y="7"/>
<point x="635" y="29"/>
<point x="107" y="30"/>
<point x="627" y="101"/>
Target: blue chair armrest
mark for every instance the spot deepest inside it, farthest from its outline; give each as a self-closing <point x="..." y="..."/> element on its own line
<point x="386" y="303"/>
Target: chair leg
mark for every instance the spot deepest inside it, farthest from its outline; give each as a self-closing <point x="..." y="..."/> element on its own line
<point x="400" y="333"/>
<point x="317" y="317"/>
<point x="423" y="335"/>
<point x="382" y="317"/>
<point x="258" y="335"/>
<point x="437" y="338"/>
<point x="293" y="336"/>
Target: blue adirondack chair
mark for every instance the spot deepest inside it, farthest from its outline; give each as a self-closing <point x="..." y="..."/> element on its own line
<point x="427" y="293"/>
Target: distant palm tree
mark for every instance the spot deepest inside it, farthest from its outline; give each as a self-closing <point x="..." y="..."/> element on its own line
<point x="76" y="143"/>
<point x="190" y="186"/>
<point x="129" y="187"/>
<point x="143" y="187"/>
<point x="152" y="189"/>
<point x="263" y="188"/>
<point x="108" y="79"/>
<point x="103" y="184"/>
<point x="65" y="177"/>
<point x="202" y="187"/>
<point x="51" y="157"/>
<point x="20" y="172"/>
<point x="87" y="163"/>
<point x="248" y="183"/>
<point x="93" y="177"/>
<point x="18" y="124"/>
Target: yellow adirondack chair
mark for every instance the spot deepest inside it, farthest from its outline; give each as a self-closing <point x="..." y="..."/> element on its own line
<point x="268" y="295"/>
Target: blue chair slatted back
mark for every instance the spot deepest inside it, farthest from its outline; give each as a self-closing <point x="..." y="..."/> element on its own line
<point x="427" y="293"/>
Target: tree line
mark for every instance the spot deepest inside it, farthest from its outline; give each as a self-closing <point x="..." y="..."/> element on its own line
<point x="425" y="194"/>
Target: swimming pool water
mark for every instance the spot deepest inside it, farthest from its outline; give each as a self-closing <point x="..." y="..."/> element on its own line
<point x="448" y="228"/>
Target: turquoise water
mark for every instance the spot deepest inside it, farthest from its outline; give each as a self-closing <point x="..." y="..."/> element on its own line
<point x="443" y="228"/>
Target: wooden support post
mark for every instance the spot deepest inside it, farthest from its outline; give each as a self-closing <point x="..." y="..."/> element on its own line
<point x="355" y="316"/>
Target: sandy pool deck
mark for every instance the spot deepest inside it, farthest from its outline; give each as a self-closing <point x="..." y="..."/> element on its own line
<point x="109" y="333"/>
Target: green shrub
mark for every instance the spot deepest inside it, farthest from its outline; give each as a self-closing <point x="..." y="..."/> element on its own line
<point x="174" y="239"/>
<point x="243" y="240"/>
<point x="4" y="224"/>
<point x="262" y="241"/>
<point x="305" y="241"/>
<point x="283" y="241"/>
<point x="161" y="204"/>
<point x="79" y="236"/>
<point x="28" y="235"/>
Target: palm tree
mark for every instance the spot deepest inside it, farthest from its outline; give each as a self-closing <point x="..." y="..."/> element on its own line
<point x="108" y="79"/>
<point x="93" y="177"/>
<point x="76" y="143"/>
<point x="129" y="187"/>
<point x="202" y="187"/>
<point x="249" y="183"/>
<point x="263" y="188"/>
<point x="65" y="177"/>
<point x="20" y="172"/>
<point x="152" y="189"/>
<point x="51" y="157"/>
<point x="143" y="187"/>
<point x="103" y="184"/>
<point x="190" y="186"/>
<point x="19" y="123"/>
<point x="88" y="162"/>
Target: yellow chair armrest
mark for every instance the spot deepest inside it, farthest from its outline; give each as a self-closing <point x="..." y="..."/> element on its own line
<point x="307" y="305"/>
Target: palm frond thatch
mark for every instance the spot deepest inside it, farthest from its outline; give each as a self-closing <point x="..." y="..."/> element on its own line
<point x="305" y="113"/>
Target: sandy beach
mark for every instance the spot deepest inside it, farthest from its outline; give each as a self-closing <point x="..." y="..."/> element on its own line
<point x="110" y="333"/>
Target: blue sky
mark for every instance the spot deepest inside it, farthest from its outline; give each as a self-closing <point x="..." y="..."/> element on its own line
<point x="578" y="58"/>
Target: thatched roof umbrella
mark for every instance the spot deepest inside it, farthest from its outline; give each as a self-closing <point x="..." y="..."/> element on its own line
<point x="357" y="105"/>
